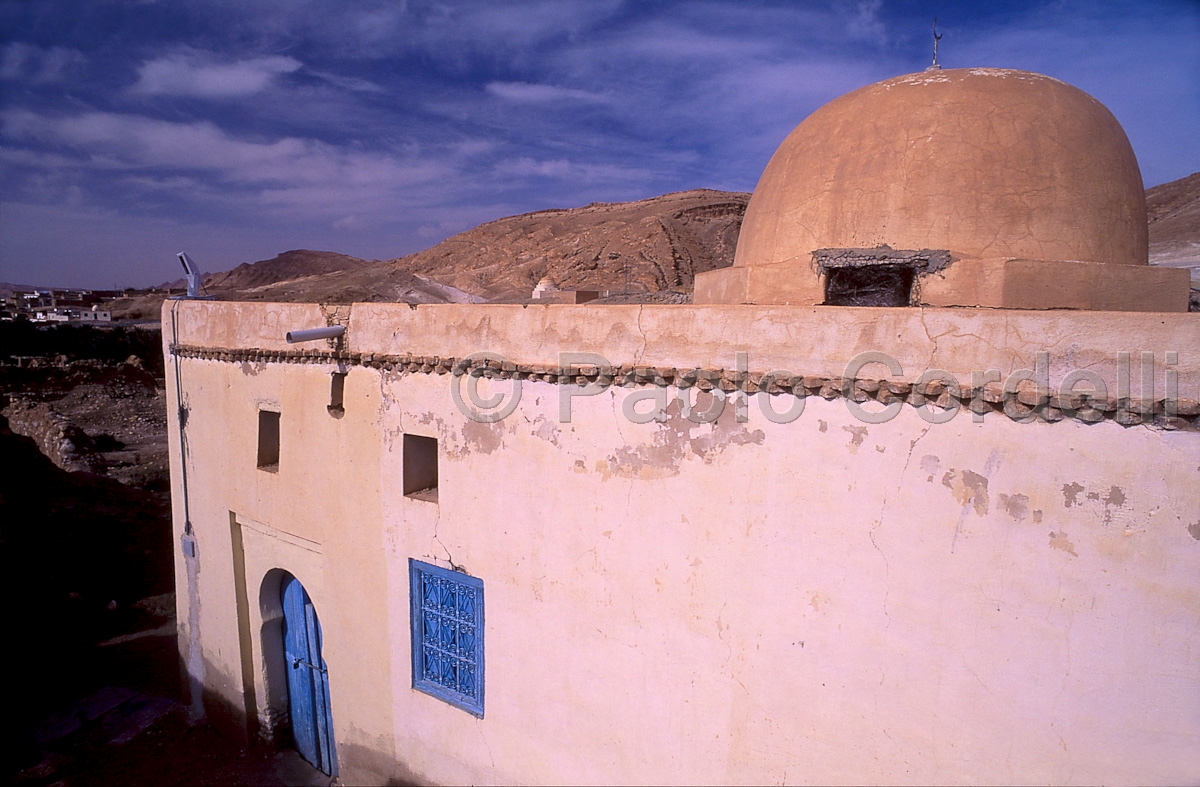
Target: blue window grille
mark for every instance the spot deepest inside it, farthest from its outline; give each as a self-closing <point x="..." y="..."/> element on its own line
<point x="447" y="635"/>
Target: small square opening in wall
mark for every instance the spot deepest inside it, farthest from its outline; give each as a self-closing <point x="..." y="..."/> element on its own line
<point x="420" y="467"/>
<point x="337" y="392"/>
<point x="870" y="285"/>
<point x="268" y="440"/>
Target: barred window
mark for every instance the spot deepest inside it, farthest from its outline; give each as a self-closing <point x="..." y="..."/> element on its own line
<point x="447" y="635"/>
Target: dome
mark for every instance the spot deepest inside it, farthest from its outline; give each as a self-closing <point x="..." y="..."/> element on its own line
<point x="984" y="163"/>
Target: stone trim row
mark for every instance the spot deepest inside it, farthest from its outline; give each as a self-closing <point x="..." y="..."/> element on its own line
<point x="1026" y="404"/>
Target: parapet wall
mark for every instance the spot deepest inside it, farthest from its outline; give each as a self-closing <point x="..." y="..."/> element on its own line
<point x="1134" y="368"/>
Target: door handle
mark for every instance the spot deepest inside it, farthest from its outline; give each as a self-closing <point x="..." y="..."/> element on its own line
<point x="297" y="662"/>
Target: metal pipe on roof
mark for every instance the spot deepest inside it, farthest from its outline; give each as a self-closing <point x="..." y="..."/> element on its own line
<point x="312" y="334"/>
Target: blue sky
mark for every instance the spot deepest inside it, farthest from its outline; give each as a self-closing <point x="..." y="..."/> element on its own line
<point x="130" y="130"/>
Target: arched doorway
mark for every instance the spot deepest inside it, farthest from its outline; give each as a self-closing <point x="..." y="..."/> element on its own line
<point x="307" y="678"/>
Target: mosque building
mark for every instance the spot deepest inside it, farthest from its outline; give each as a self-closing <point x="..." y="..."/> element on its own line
<point x="907" y="495"/>
<point x="1009" y="189"/>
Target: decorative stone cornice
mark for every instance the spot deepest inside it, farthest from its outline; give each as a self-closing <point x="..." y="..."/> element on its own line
<point x="1026" y="403"/>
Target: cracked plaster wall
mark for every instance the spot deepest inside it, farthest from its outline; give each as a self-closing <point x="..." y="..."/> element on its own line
<point x="823" y="601"/>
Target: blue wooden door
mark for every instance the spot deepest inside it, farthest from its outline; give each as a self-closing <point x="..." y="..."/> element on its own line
<point x="308" y="679"/>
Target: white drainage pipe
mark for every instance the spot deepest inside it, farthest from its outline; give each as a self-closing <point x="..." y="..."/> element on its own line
<point x="312" y="334"/>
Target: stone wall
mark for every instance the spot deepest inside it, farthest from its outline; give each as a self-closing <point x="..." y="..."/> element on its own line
<point x="63" y="442"/>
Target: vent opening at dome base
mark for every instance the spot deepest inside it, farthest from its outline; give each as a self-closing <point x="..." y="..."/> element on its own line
<point x="880" y="276"/>
<point x="870" y="285"/>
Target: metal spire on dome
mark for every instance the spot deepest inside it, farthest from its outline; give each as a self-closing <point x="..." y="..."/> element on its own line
<point x="936" y="38"/>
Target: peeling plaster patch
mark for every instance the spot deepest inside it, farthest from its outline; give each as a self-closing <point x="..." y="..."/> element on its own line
<point x="724" y="433"/>
<point x="971" y="489"/>
<point x="545" y="429"/>
<point x="857" y="433"/>
<point x="390" y="436"/>
<point x="673" y="439"/>
<point x="580" y="466"/>
<point x="252" y="369"/>
<point x="1071" y="494"/>
<point x="1194" y="530"/>
<point x="821" y="425"/>
<point x="1060" y="541"/>
<point x="1037" y="516"/>
<point x="930" y="464"/>
<point x="920" y="79"/>
<point x="481" y="438"/>
<point x="1017" y="506"/>
<point x="881" y="449"/>
<point x="1114" y="499"/>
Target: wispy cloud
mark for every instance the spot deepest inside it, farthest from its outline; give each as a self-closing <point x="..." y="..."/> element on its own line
<point x="524" y="92"/>
<point x="37" y="66"/>
<point x="348" y="83"/>
<point x="204" y="75"/>
<point x="288" y="179"/>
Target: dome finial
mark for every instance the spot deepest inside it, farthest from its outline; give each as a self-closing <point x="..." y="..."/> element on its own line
<point x="936" y="38"/>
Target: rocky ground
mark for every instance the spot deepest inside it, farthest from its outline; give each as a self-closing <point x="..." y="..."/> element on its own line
<point x="108" y="418"/>
<point x="91" y="399"/>
<point x="86" y="560"/>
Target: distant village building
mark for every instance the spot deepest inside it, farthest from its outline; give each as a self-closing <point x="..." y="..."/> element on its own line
<point x="95" y="314"/>
<point x="61" y="305"/>
<point x="52" y="315"/>
<point x="544" y="285"/>
<point x="907" y="495"/>
<point x="548" y="291"/>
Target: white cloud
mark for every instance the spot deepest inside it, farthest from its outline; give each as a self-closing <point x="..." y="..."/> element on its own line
<point x="524" y="92"/>
<point x="865" y="23"/>
<point x="293" y="176"/>
<point x="201" y="74"/>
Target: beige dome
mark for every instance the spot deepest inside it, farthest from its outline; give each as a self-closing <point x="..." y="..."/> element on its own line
<point x="985" y="163"/>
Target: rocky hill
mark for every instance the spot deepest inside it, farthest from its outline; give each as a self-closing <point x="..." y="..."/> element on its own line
<point x="295" y="264"/>
<point x="645" y="247"/>
<point x="1174" y="212"/>
<point x="1174" y="215"/>
<point x="649" y="250"/>
<point x="648" y="246"/>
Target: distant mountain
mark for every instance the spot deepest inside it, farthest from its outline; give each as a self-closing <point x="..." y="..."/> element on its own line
<point x="649" y="246"/>
<point x="8" y="288"/>
<point x="643" y="248"/>
<point x="1174" y="213"/>
<point x="293" y="264"/>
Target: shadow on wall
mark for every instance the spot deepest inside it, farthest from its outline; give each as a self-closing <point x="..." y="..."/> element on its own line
<point x="274" y="723"/>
